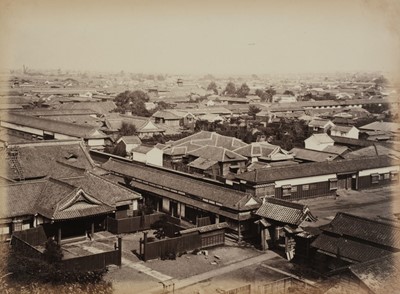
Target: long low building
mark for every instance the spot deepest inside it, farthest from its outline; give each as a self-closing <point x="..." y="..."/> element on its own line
<point x="320" y="178"/>
<point x="185" y="196"/>
<point x="48" y="129"/>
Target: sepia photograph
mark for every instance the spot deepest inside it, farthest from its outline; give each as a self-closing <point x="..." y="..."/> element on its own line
<point x="199" y="147"/>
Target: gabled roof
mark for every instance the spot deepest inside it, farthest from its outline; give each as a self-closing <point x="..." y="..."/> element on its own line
<point x="64" y="199"/>
<point x="103" y="107"/>
<point x="320" y="138"/>
<point x="285" y="211"/>
<point x="70" y="129"/>
<point x="60" y="201"/>
<point x="130" y="140"/>
<point x="316" y="168"/>
<point x="171" y="114"/>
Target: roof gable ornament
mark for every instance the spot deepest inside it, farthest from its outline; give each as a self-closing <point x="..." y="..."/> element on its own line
<point x="79" y="196"/>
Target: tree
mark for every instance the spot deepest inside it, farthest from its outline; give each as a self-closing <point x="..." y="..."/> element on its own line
<point x="127" y="129"/>
<point x="119" y="150"/>
<point x="161" y="226"/>
<point x="52" y="252"/>
<point x="243" y="91"/>
<point x="288" y="92"/>
<point x="253" y="110"/>
<point x="213" y="86"/>
<point x="132" y="101"/>
<point x="230" y="89"/>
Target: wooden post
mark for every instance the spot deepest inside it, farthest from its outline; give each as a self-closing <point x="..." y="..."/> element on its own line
<point x="119" y="252"/>
<point x="144" y="245"/>
<point x="92" y="230"/>
<point x="59" y="235"/>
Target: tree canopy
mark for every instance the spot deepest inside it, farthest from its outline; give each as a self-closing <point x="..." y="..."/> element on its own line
<point x="243" y="91"/>
<point x="213" y="86"/>
<point x="132" y="101"/>
<point x="230" y="89"/>
<point x="253" y="110"/>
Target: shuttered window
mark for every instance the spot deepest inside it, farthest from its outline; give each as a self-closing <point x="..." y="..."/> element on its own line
<point x="374" y="178"/>
<point x="333" y="184"/>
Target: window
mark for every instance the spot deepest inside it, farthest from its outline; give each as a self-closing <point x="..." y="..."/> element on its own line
<point x="306" y="187"/>
<point x="333" y="184"/>
<point x="294" y="189"/>
<point x="386" y="176"/>
<point x="374" y="178"/>
<point x="394" y="175"/>
<point x="286" y="190"/>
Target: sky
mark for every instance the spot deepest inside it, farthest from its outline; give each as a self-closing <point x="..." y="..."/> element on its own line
<point x="199" y="37"/>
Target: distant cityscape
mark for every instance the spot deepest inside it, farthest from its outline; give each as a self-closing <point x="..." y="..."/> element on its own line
<point x="178" y="183"/>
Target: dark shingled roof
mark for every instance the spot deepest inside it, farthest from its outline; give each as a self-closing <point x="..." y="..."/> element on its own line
<point x="346" y="248"/>
<point x="64" y="199"/>
<point x="58" y="159"/>
<point x="380" y="275"/>
<point x="365" y="229"/>
<point x="70" y="129"/>
<point x="184" y="183"/>
<point x="315" y="168"/>
<point x="285" y="211"/>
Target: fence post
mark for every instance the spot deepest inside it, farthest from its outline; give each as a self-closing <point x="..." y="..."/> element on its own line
<point x="119" y="252"/>
<point x="144" y="245"/>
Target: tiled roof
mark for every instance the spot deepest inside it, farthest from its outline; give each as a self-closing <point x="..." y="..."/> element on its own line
<point x="380" y="275"/>
<point x="103" y="107"/>
<point x="365" y="229"/>
<point x="346" y="248"/>
<point x="336" y="149"/>
<point x="131" y="139"/>
<point x="257" y="149"/>
<point x="57" y="159"/>
<point x="205" y="138"/>
<point x="217" y="154"/>
<point x="202" y="163"/>
<point x="18" y="199"/>
<point x="64" y="199"/>
<point x="381" y="126"/>
<point x="142" y="149"/>
<point x="344" y="129"/>
<point x="315" y="168"/>
<point x="105" y="190"/>
<point x="373" y="151"/>
<point x="320" y="123"/>
<point x="284" y="211"/>
<point x="71" y="129"/>
<point x="177" y="181"/>
<point x="312" y="155"/>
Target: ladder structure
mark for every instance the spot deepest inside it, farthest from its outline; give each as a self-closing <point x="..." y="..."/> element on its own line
<point x="13" y="157"/>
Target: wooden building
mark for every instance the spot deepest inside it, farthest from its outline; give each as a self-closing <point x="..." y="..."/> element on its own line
<point x="320" y="178"/>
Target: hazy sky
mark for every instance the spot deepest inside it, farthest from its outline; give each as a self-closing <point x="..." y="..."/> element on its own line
<point x="226" y="37"/>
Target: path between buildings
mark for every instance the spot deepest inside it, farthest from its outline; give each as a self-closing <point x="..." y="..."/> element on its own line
<point x="220" y="271"/>
<point x="134" y="264"/>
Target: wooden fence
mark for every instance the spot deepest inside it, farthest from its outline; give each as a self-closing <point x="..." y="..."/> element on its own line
<point x="288" y="285"/>
<point x="137" y="223"/>
<point x="190" y="239"/>
<point x="34" y="236"/>
<point x="91" y="262"/>
<point x="240" y="290"/>
<point x="164" y="247"/>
